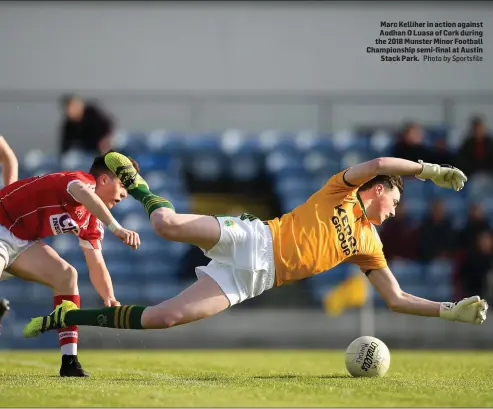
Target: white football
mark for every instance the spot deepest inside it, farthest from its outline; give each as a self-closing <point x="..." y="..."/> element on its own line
<point x="367" y="356"/>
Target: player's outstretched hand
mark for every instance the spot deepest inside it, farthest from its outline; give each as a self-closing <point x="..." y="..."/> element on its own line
<point x="129" y="237"/>
<point x="111" y="302"/>
<point x="472" y="310"/>
<point x="444" y="176"/>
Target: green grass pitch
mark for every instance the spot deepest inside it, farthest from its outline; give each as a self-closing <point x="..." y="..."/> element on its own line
<point x="230" y="378"/>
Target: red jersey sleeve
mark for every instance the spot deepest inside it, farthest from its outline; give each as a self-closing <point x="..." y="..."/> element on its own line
<point x="71" y="177"/>
<point x="92" y="237"/>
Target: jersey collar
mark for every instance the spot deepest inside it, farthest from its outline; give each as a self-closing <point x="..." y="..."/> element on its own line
<point x="362" y="205"/>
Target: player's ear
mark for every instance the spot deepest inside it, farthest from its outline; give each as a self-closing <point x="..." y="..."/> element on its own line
<point x="379" y="189"/>
<point x="103" y="178"/>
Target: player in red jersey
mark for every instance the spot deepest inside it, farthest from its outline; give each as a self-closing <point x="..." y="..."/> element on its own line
<point x="59" y="203"/>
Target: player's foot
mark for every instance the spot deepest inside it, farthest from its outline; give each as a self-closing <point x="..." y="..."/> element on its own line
<point x="55" y="320"/>
<point x="71" y="366"/>
<point x="4" y="308"/>
<point x="122" y="167"/>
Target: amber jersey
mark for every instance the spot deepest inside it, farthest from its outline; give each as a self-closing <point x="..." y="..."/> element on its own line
<point x="328" y="229"/>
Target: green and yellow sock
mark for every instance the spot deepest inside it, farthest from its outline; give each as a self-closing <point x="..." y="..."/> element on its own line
<point x="150" y="201"/>
<point x="123" y="317"/>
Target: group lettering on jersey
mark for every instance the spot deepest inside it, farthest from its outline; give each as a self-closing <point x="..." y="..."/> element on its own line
<point x="345" y="234"/>
<point x="63" y="223"/>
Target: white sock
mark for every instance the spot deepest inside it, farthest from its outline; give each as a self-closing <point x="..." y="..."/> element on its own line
<point x="69" y="349"/>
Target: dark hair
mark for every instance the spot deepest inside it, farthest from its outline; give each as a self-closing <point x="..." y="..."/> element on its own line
<point x="99" y="167"/>
<point x="388" y="181"/>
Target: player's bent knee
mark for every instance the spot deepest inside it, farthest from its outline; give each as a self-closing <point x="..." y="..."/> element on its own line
<point x="167" y="226"/>
<point x="66" y="281"/>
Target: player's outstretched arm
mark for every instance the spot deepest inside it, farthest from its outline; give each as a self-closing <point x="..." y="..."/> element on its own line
<point x="10" y="165"/>
<point x="97" y="208"/>
<point x="443" y="176"/>
<point x="100" y="276"/>
<point x="472" y="310"/>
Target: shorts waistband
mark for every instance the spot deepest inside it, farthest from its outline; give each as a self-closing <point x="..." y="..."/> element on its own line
<point x="271" y="275"/>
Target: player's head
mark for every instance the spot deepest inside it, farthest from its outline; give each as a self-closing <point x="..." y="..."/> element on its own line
<point x="108" y="186"/>
<point x="381" y="195"/>
<point x="73" y="106"/>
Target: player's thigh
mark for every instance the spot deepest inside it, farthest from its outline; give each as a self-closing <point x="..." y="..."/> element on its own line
<point x="202" y="299"/>
<point x="42" y="264"/>
<point x="2" y="268"/>
<point x="199" y="230"/>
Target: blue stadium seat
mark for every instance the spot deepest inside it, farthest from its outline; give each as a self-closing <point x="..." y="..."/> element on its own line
<point x="381" y="142"/>
<point x="443" y="292"/>
<point x="321" y="162"/>
<point x="131" y="143"/>
<point x="136" y="221"/>
<point x="279" y="161"/>
<point x="165" y="142"/>
<point x="353" y="156"/>
<point x="203" y="143"/>
<point x="319" y="181"/>
<point x="416" y="208"/>
<point x="415" y="188"/>
<point x="38" y="293"/>
<point x="161" y="289"/>
<point x="419" y="290"/>
<point x="233" y="142"/>
<point x="158" y="269"/>
<point x="152" y="162"/>
<point x="128" y="293"/>
<point x="307" y="140"/>
<point x="479" y="187"/>
<point x="178" y="249"/>
<point x="35" y="161"/>
<point x="121" y="267"/>
<point x="407" y="272"/>
<point x="13" y="289"/>
<point x="349" y="140"/>
<point x="208" y="165"/>
<point x="89" y="298"/>
<point x="439" y="272"/>
<point x="455" y="206"/>
<point x="321" y="284"/>
<point x="289" y="204"/>
<point x="293" y="185"/>
<point x="163" y="180"/>
<point x="332" y="277"/>
<point x="245" y="166"/>
<point x="76" y="160"/>
<point x="66" y="245"/>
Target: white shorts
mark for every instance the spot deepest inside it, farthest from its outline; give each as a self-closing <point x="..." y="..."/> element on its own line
<point x="10" y="248"/>
<point x="242" y="261"/>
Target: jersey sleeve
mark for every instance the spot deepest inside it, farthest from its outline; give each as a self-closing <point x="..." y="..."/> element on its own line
<point x="337" y="188"/>
<point x="92" y="237"/>
<point x="368" y="262"/>
<point x="373" y="257"/>
<point x="72" y="177"/>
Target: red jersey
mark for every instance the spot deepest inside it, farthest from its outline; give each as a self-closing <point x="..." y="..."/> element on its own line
<point x="42" y="206"/>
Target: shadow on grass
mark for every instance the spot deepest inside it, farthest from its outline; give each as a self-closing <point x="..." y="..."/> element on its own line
<point x="287" y="376"/>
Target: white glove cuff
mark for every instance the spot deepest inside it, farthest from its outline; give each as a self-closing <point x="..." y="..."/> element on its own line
<point x="445" y="310"/>
<point x="429" y="171"/>
<point x="114" y="226"/>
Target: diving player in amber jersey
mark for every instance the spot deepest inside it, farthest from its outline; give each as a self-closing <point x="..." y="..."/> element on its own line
<point x="249" y="256"/>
